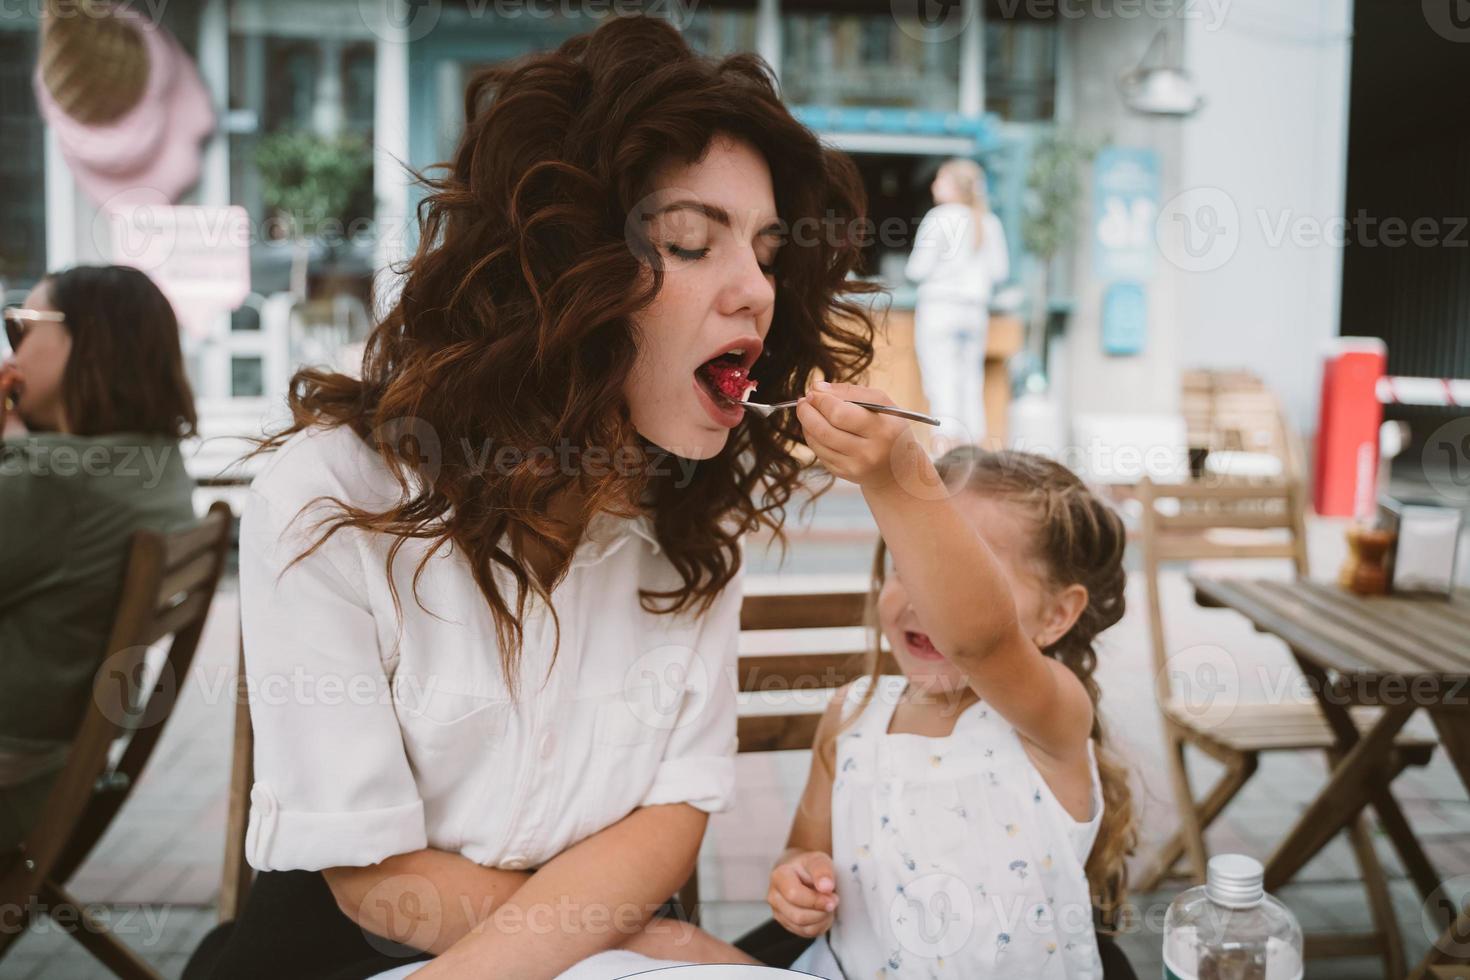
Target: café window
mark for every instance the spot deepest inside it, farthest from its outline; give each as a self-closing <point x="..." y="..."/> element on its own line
<point x="247" y="377"/>
<point x="721" y="32"/>
<point x="833" y="58"/>
<point x="301" y="149"/>
<point x="1021" y="69"/>
<point x="22" y="166"/>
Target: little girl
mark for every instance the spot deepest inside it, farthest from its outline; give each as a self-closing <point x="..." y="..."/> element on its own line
<point x="961" y="820"/>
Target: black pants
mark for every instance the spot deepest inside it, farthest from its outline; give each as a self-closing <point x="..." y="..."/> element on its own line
<point x="291" y="929"/>
<point x="774" y="946"/>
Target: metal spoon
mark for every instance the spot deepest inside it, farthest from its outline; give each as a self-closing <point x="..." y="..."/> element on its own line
<point x="764" y="411"/>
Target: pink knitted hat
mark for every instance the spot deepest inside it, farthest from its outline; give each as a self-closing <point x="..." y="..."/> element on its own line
<point x="147" y="144"/>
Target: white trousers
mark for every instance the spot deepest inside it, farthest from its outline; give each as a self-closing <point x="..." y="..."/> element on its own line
<point x="949" y="340"/>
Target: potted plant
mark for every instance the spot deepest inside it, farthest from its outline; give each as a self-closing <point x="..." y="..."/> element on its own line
<point x="314" y="186"/>
<point x="1053" y="194"/>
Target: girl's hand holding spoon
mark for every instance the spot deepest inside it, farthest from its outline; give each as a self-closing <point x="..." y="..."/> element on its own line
<point x="853" y="442"/>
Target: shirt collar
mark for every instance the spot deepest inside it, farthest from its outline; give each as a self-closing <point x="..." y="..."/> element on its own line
<point x="607" y="532"/>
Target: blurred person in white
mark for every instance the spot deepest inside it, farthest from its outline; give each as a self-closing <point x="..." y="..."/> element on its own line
<point x="959" y="257"/>
<point x="93" y="403"/>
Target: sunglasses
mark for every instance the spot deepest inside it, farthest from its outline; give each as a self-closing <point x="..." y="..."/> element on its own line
<point x="18" y="321"/>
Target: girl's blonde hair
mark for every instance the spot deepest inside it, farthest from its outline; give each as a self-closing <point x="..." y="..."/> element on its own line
<point x="969" y="178"/>
<point x="1078" y="540"/>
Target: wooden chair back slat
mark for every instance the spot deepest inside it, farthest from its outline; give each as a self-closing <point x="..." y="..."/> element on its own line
<point x="187" y="578"/>
<point x="778" y="733"/>
<point x="1185" y="536"/>
<point x="1222" y="517"/>
<point x="813" y="610"/>
<point x="1199" y="548"/>
<point x="202" y="538"/>
<point x="174" y="618"/>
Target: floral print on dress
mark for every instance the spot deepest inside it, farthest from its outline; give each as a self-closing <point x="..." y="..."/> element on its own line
<point x="968" y="805"/>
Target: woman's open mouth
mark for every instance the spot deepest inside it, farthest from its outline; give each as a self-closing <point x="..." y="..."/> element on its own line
<point x="920" y="646"/>
<point x="724" y="381"/>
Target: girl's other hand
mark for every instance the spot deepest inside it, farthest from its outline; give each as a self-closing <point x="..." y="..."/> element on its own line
<point x="803" y="893"/>
<point x="852" y="442"/>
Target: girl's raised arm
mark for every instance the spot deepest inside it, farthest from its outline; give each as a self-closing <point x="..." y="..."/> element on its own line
<point x="959" y="590"/>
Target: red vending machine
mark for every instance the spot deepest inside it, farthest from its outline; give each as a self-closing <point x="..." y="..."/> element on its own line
<point x="1347" y="427"/>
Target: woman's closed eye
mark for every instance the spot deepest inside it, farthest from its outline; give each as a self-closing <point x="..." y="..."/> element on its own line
<point x="695" y="254"/>
<point x="688" y="254"/>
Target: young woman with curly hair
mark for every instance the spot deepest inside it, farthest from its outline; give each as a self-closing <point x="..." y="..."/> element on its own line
<point x="490" y="589"/>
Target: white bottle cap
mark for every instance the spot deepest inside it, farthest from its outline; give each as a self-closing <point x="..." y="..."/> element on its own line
<point x="1235" y="881"/>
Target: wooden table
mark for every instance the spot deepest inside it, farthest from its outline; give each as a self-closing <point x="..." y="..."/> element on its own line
<point x="1396" y="653"/>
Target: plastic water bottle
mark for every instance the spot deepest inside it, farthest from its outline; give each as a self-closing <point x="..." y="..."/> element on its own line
<point x="1230" y="929"/>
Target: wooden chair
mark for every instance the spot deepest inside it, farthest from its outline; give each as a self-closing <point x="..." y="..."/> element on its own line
<point x="237" y="873"/>
<point x="168" y="585"/>
<point x="813" y="643"/>
<point x="1236" y="738"/>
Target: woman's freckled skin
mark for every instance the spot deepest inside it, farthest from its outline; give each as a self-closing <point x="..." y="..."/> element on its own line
<point x="706" y="303"/>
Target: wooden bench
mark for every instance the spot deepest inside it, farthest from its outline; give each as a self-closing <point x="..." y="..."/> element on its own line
<point x="796" y="649"/>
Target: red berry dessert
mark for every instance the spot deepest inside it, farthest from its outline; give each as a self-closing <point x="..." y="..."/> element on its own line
<point x="725" y="376"/>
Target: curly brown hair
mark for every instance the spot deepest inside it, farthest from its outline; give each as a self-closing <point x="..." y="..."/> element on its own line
<point x="1081" y="540"/>
<point x="514" y="326"/>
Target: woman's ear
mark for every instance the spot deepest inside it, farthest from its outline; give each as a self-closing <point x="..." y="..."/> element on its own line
<point x="1062" y="610"/>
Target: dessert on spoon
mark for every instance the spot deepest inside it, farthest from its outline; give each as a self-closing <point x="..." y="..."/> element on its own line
<point x="764" y="411"/>
<point x="728" y="376"/>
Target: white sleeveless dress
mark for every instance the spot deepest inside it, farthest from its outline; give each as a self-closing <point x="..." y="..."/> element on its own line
<point x="954" y="859"/>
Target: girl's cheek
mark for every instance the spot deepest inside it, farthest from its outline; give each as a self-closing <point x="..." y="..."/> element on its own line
<point x="892" y="601"/>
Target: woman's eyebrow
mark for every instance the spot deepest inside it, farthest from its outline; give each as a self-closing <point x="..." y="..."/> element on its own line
<point x="717" y="214"/>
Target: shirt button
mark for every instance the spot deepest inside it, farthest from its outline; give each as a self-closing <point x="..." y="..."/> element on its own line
<point x="515" y="863"/>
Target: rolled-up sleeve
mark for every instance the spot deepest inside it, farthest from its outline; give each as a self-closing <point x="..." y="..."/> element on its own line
<point x="698" y="766"/>
<point x="333" y="786"/>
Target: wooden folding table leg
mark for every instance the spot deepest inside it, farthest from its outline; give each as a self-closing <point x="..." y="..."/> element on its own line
<point x="1411" y="853"/>
<point x="1390" y="816"/>
<point x="96" y="938"/>
<point x="1452" y="947"/>
<point x="1343" y="798"/>
<point x="1453" y="726"/>
<point x="1380" y="902"/>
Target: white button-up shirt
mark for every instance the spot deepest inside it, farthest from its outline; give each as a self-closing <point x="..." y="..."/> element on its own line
<point x="377" y="734"/>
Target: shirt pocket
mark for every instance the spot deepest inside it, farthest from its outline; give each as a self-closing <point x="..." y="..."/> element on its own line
<point x="630" y="734"/>
<point x="448" y="734"/>
<point x="638" y="715"/>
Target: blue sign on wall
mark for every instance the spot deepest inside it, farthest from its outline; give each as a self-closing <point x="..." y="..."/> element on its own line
<point x="1125" y="204"/>
<point x="1124" y="319"/>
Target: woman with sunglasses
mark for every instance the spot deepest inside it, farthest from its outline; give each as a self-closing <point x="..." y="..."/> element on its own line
<point x="93" y="403"/>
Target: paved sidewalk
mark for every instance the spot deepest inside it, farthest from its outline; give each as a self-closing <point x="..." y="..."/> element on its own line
<point x="156" y="873"/>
